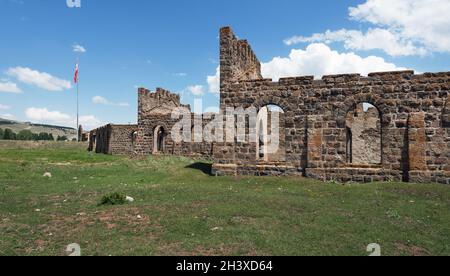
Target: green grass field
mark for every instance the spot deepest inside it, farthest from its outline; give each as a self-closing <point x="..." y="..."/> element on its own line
<point x="181" y="210"/>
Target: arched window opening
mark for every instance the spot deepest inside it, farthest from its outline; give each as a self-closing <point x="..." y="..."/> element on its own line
<point x="159" y="140"/>
<point x="363" y="127"/>
<point x="193" y="134"/>
<point x="134" y="138"/>
<point x="446" y="115"/>
<point x="270" y="144"/>
<point x="349" y="145"/>
<point x="262" y="140"/>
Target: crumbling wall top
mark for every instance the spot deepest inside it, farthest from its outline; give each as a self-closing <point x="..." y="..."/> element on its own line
<point x="237" y="59"/>
<point x="161" y="101"/>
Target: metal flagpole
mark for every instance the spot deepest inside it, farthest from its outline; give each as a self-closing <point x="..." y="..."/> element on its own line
<point x="78" y="93"/>
<point x="78" y="114"/>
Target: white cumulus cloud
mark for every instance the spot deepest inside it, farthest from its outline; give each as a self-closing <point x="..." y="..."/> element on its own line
<point x="196" y="90"/>
<point x="43" y="115"/>
<point x="319" y="59"/>
<point x="214" y="82"/>
<point x="380" y="39"/>
<point x="9" y="87"/>
<point x="400" y="28"/>
<point x="103" y="101"/>
<point x="78" y="48"/>
<point x="40" y="79"/>
<point x="90" y="122"/>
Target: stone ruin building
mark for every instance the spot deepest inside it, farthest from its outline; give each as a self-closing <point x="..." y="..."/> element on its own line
<point x="152" y="133"/>
<point x="387" y="126"/>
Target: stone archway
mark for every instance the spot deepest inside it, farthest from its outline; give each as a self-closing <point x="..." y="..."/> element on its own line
<point x="363" y="131"/>
<point x="134" y="135"/>
<point x="385" y="118"/>
<point x="351" y="104"/>
<point x="159" y="137"/>
<point x="271" y="134"/>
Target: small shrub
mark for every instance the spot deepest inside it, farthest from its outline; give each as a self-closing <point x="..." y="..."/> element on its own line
<point x="113" y="199"/>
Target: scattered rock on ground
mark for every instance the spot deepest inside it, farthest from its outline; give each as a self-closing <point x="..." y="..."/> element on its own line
<point x="47" y="174"/>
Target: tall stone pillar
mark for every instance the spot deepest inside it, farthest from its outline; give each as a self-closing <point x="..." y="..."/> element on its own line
<point x="417" y="146"/>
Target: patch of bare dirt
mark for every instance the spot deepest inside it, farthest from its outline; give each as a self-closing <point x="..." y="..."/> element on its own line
<point x="411" y="250"/>
<point x="176" y="249"/>
<point x="110" y="219"/>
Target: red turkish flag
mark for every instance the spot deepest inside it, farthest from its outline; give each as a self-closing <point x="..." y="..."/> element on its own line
<point x="75" y="78"/>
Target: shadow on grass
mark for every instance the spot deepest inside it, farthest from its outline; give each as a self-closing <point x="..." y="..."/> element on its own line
<point x="203" y="167"/>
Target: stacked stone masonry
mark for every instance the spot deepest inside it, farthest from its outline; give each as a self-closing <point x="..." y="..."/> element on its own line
<point x="414" y="129"/>
<point x="407" y="134"/>
<point x="113" y="139"/>
<point x="155" y="114"/>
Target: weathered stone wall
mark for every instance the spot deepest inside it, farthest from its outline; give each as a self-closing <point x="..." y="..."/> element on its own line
<point x="315" y="123"/>
<point x="408" y="140"/>
<point x="92" y="140"/>
<point x="446" y="115"/>
<point x="113" y="139"/>
<point x="155" y="111"/>
<point x="237" y="60"/>
<point x="121" y="139"/>
<point x="100" y="139"/>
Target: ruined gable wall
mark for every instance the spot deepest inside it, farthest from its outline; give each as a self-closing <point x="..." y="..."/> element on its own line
<point x="155" y="109"/>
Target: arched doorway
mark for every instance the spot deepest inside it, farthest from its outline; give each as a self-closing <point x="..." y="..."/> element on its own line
<point x="446" y="115"/>
<point x="134" y="137"/>
<point x="270" y="130"/>
<point x="159" y="136"/>
<point x="363" y="127"/>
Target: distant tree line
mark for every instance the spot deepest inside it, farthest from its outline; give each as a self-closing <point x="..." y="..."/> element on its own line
<point x="27" y="135"/>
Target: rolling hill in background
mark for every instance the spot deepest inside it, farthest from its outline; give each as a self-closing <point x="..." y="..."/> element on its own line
<point x="16" y="126"/>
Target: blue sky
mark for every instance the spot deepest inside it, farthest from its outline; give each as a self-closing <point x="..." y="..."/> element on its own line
<point x="174" y="44"/>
